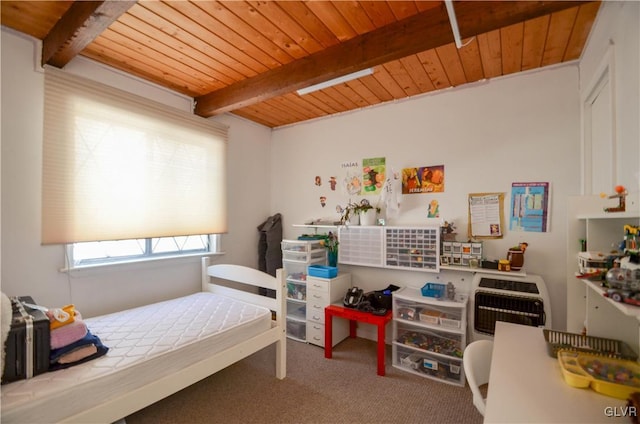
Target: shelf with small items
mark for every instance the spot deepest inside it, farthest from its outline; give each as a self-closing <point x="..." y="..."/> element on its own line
<point x="625" y="308"/>
<point x="521" y="273"/>
<point x="429" y="335"/>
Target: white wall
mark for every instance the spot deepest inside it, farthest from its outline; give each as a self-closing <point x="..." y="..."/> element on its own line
<point x="31" y="269"/>
<point x="514" y="129"/>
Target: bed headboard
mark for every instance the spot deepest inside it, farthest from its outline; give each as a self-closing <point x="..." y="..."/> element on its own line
<point x="252" y="279"/>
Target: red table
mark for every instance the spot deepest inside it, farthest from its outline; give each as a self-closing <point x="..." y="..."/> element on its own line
<point x="354" y="316"/>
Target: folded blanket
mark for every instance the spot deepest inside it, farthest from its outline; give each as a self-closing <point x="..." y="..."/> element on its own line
<point x="88" y="340"/>
<point x="68" y="334"/>
<point x="78" y="354"/>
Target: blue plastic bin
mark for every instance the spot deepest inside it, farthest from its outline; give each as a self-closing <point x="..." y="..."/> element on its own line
<point x="434" y="290"/>
<point x="322" y="271"/>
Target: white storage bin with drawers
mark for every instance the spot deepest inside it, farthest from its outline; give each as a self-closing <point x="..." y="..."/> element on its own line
<point x="297" y="255"/>
<point x="321" y="292"/>
<point x="429" y="335"/>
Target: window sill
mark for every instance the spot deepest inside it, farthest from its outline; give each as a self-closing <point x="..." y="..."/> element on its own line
<point x="148" y="260"/>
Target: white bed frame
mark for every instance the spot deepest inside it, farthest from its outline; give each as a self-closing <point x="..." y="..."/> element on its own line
<point x="131" y="401"/>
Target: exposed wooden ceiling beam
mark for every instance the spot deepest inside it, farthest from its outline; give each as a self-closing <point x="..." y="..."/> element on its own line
<point x="415" y="34"/>
<point x="79" y="26"/>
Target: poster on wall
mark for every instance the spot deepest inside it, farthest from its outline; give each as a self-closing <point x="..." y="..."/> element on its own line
<point x="351" y="177"/>
<point x="424" y="179"/>
<point x="373" y="175"/>
<point x="530" y="207"/>
<point x="485" y="215"/>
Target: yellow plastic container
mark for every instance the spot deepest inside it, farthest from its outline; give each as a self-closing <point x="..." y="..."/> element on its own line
<point x="613" y="377"/>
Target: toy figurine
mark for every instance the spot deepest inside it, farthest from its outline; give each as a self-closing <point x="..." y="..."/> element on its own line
<point x="621" y="194"/>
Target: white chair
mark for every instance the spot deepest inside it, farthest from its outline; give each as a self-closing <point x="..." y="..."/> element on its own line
<point x="477" y="365"/>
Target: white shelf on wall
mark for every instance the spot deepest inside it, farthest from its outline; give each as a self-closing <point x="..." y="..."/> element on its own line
<point x="629" y="310"/>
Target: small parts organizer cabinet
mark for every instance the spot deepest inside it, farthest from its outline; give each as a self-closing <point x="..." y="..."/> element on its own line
<point x="321" y="292"/>
<point x="412" y="248"/>
<point x="297" y="255"/>
<point x="429" y="335"/>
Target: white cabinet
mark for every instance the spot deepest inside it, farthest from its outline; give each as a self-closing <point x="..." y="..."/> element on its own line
<point x="297" y="255"/>
<point x="322" y="292"/>
<point x="586" y="305"/>
<point x="429" y="335"/>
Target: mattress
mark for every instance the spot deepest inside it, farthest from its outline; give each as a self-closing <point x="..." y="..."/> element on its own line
<point x="145" y="344"/>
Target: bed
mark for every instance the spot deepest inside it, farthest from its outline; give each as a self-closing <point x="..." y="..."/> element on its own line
<point x="159" y="349"/>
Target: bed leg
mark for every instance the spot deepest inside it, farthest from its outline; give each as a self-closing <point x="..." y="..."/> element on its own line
<point x="281" y="358"/>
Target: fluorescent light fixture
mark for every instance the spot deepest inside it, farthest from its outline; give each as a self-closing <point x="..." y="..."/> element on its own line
<point x="335" y="81"/>
<point x="454" y="23"/>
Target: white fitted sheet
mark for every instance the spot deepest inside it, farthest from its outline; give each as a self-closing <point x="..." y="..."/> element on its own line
<point x="145" y="344"/>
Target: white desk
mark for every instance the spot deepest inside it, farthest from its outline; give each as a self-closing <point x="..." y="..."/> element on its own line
<point x="526" y="385"/>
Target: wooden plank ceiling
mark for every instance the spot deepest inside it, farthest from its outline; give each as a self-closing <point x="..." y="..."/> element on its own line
<point x="250" y="57"/>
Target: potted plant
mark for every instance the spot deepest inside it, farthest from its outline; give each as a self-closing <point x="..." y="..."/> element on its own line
<point x="331" y="243"/>
<point x="367" y="215"/>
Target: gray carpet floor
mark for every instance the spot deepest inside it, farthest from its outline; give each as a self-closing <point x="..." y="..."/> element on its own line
<point x="344" y="389"/>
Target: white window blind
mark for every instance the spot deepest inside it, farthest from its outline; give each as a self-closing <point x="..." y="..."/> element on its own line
<point x="118" y="166"/>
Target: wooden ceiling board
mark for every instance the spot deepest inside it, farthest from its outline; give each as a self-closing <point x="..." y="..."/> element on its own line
<point x="299" y="11"/>
<point x="560" y="26"/>
<point x="376" y="88"/>
<point x="356" y="16"/>
<point x="448" y="55"/>
<point x="470" y="58"/>
<point x="228" y="26"/>
<point x="581" y="30"/>
<point x="368" y="96"/>
<point x="434" y="68"/>
<point x="298" y="35"/>
<point x="403" y="9"/>
<point x="402" y="77"/>
<point x="389" y="82"/>
<point x="418" y="73"/>
<point x="33" y="19"/>
<point x="248" y="56"/>
<point x="332" y="19"/>
<point x="192" y="20"/>
<point x="490" y="47"/>
<point x="378" y="12"/>
<point x="188" y="43"/>
<point x="161" y="44"/>
<point x="512" y="38"/>
<point x="535" y="38"/>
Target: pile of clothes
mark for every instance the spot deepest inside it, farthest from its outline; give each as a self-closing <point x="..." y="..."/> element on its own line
<point x="72" y="342"/>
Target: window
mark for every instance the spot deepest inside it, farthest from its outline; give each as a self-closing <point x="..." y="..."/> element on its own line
<point x="120" y="167"/>
<point x="118" y="251"/>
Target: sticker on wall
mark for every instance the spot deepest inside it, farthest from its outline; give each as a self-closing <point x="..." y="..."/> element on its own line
<point x="323" y="201"/>
<point x="373" y="175"/>
<point x="529" y="207"/>
<point x="332" y="183"/>
<point x="318" y="181"/>
<point x="424" y="179"/>
<point x="352" y="177"/>
<point x="434" y="209"/>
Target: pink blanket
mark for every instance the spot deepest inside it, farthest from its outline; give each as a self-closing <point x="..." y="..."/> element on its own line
<point x="70" y="333"/>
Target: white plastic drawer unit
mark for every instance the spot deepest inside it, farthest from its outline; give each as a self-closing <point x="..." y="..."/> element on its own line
<point x="303" y="251"/>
